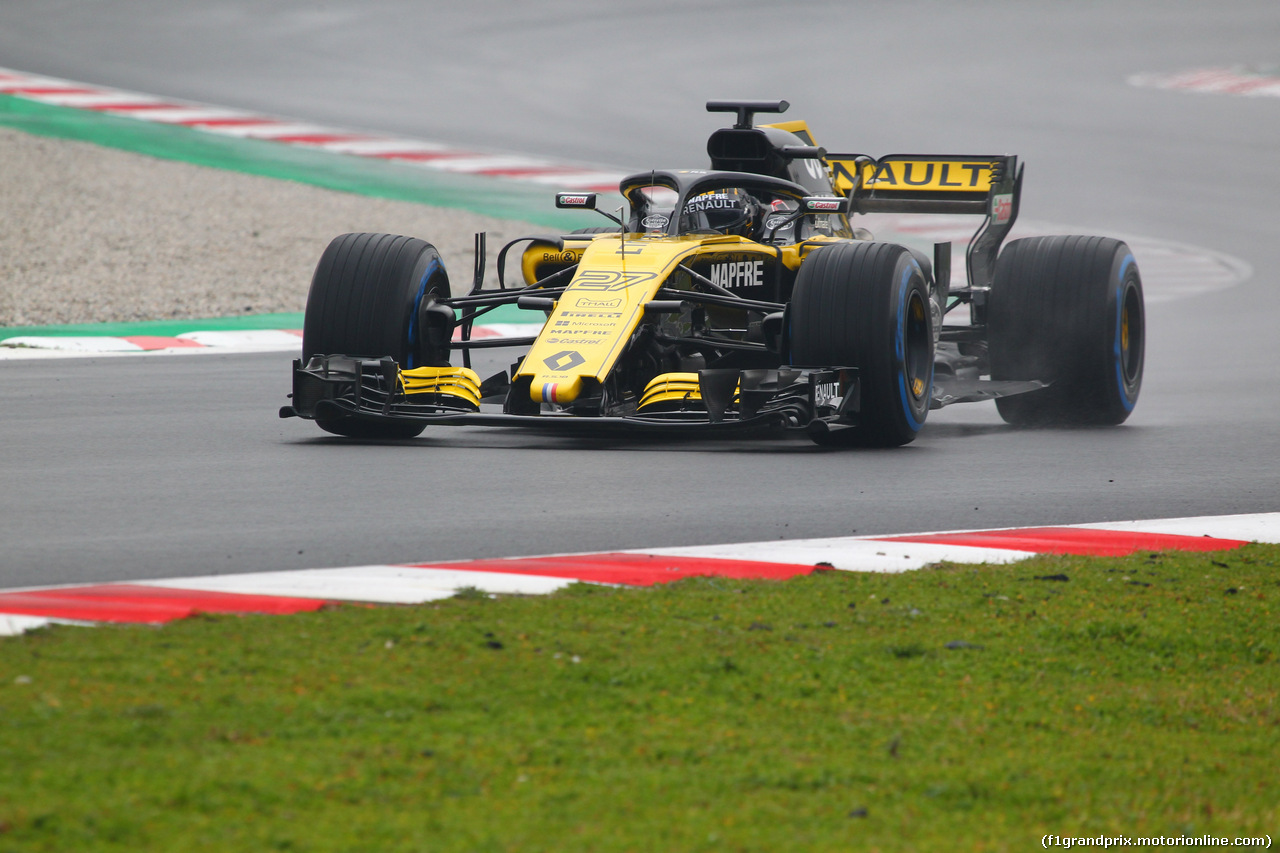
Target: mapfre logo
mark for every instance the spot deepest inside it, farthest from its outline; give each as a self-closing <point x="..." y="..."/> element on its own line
<point x="738" y="274"/>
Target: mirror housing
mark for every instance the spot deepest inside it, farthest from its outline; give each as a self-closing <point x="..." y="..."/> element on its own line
<point x="825" y="204"/>
<point x="576" y="201"/>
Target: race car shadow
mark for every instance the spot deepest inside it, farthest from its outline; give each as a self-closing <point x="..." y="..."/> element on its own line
<point x="498" y="439"/>
<point x="950" y="431"/>
<point x="769" y="443"/>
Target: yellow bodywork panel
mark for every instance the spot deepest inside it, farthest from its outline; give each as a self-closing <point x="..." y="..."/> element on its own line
<point x="596" y="315"/>
<point x="910" y="173"/>
<point x="671" y="388"/>
<point x="848" y="174"/>
<point x="794" y="254"/>
<point x="460" y="384"/>
<point x="541" y="258"/>
<point x="799" y="127"/>
<point x="670" y="391"/>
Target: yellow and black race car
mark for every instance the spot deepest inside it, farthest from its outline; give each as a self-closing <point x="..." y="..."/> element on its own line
<point x="739" y="297"/>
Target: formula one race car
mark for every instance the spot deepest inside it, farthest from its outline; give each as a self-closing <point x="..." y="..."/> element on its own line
<point x="738" y="297"/>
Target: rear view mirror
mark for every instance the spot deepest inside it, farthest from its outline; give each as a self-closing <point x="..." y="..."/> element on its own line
<point x="825" y="204"/>
<point x="579" y="201"/>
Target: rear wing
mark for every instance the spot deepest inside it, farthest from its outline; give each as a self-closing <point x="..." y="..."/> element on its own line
<point x="987" y="186"/>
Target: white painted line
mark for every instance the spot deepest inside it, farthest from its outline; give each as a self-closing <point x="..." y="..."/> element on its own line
<point x="182" y="115"/>
<point x="68" y="343"/>
<point x="374" y="584"/>
<point x="25" y="354"/>
<point x="481" y="163"/>
<point x="12" y="626"/>
<point x="1170" y="270"/>
<point x="8" y="353"/>
<point x="244" y="341"/>
<point x="49" y="85"/>
<point x="411" y="584"/>
<point x="270" y="131"/>
<point x="386" y="148"/>
<point x="1219" y="81"/>
<point x="853" y="554"/>
<point x="596" y="180"/>
<point x="249" y="340"/>
<point x="505" y="330"/>
<point x="1256" y="527"/>
<point x="92" y="100"/>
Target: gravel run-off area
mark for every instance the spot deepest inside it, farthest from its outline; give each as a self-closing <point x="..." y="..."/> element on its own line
<point x="94" y="234"/>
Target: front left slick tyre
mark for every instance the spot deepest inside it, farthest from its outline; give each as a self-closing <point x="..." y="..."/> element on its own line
<point x="367" y="298"/>
<point x="366" y="295"/>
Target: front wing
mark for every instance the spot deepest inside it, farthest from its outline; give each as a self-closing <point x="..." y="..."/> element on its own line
<point x="797" y="398"/>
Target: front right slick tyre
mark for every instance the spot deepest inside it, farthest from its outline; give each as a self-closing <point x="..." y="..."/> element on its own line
<point x="866" y="305"/>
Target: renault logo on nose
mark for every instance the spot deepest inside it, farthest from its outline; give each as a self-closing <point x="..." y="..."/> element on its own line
<point x="564" y="360"/>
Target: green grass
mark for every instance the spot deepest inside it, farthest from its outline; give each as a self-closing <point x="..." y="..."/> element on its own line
<point x="969" y="708"/>
<point x="161" y="328"/>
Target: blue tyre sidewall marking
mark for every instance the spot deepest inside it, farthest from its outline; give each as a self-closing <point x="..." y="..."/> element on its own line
<point x="900" y="348"/>
<point x="1118" y="349"/>
<point x="417" y="303"/>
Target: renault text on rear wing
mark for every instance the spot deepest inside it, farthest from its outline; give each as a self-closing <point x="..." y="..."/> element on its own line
<point x="987" y="186"/>
<point x="925" y="183"/>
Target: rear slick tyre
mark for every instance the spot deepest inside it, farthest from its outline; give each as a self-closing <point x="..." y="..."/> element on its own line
<point x="366" y="300"/>
<point x="866" y="305"/>
<point x="1068" y="311"/>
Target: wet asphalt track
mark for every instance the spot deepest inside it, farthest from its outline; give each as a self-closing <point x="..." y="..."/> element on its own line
<point x="120" y="468"/>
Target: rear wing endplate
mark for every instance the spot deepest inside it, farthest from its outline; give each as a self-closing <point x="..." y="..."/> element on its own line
<point x="987" y="186"/>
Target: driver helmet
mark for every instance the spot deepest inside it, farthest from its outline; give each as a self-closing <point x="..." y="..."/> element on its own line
<point x="729" y="211"/>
